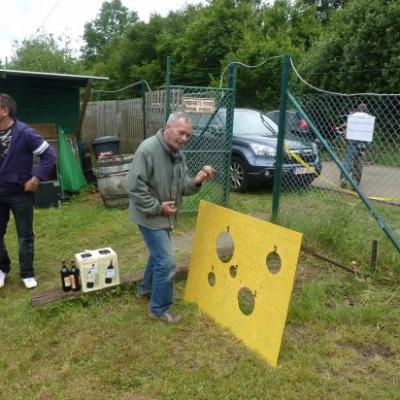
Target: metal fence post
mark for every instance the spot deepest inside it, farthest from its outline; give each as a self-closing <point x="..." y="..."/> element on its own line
<point x="281" y="138"/>
<point x="388" y="231"/>
<point x="230" y="111"/>
<point x="143" y="90"/>
<point x="168" y="89"/>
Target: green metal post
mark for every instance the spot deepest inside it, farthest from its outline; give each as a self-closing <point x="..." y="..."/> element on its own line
<point x="389" y="233"/>
<point x="281" y="138"/>
<point x="143" y="89"/>
<point x="168" y="89"/>
<point x="230" y="112"/>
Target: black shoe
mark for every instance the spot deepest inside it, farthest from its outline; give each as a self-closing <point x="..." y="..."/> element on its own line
<point x="168" y="316"/>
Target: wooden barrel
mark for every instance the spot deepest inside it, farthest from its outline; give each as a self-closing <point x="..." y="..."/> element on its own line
<point x="111" y="180"/>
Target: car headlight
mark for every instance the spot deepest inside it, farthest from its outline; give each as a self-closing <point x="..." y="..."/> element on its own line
<point x="315" y="148"/>
<point x="263" y="150"/>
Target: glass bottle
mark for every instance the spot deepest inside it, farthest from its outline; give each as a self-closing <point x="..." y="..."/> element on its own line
<point x="65" y="277"/>
<point x="110" y="272"/>
<point x="74" y="272"/>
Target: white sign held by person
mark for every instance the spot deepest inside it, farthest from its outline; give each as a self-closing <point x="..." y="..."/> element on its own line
<point x="360" y="126"/>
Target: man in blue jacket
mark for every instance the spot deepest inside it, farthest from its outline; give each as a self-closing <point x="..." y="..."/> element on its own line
<point x="18" y="144"/>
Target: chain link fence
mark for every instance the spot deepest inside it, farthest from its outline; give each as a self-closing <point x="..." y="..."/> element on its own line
<point x="323" y="203"/>
<point x="211" y="111"/>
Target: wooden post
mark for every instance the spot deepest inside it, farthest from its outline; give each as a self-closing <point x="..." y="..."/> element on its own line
<point x="86" y="98"/>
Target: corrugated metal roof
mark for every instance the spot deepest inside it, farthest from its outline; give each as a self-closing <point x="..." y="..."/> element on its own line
<point x="50" y="75"/>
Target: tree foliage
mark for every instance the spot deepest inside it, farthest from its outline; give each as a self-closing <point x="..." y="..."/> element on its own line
<point x="340" y="45"/>
<point x="45" y="53"/>
<point x="276" y="30"/>
<point x="109" y="26"/>
<point x="359" y="50"/>
<point x="324" y="8"/>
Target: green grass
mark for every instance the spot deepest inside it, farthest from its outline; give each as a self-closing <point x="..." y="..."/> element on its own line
<point x="341" y="341"/>
<point x="337" y="225"/>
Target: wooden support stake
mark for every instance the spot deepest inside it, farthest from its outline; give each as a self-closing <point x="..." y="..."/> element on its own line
<point x="86" y="98"/>
<point x="313" y="252"/>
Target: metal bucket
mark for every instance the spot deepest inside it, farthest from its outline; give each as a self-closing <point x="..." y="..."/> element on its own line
<point x="111" y="180"/>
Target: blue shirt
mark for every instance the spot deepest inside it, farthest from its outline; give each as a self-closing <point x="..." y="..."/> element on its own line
<point x="16" y="168"/>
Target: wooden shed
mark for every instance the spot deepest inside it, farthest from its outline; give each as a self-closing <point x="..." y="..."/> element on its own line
<point x="44" y="97"/>
<point x="49" y="101"/>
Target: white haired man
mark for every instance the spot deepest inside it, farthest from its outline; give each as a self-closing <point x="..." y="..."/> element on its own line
<point x="157" y="180"/>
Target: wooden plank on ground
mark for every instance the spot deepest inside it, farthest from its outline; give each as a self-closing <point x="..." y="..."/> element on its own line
<point x="57" y="294"/>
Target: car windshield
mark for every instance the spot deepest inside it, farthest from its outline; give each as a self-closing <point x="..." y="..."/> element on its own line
<point x="200" y="121"/>
<point x="250" y="122"/>
<point x="245" y="122"/>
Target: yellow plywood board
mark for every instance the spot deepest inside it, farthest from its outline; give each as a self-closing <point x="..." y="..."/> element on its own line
<point x="215" y="285"/>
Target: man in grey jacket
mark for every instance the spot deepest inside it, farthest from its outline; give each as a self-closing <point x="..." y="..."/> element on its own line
<point x="156" y="182"/>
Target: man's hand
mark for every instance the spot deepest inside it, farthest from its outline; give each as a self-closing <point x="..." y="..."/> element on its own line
<point x="31" y="185"/>
<point x="168" y="208"/>
<point x="207" y="172"/>
<point x="341" y="129"/>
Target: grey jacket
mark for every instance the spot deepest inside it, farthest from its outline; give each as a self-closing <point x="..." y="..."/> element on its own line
<point x="157" y="174"/>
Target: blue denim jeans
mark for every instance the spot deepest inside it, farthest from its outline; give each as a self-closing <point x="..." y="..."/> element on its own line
<point x="21" y="205"/>
<point x="160" y="270"/>
<point x="350" y="155"/>
<point x="354" y="159"/>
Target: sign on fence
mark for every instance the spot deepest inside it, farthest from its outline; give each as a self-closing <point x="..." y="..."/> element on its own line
<point x="199" y="105"/>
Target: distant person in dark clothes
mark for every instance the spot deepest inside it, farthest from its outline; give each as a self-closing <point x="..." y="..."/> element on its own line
<point x="356" y="150"/>
<point x="18" y="144"/>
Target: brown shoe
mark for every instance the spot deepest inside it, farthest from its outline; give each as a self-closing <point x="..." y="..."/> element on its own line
<point x="143" y="295"/>
<point x="168" y="316"/>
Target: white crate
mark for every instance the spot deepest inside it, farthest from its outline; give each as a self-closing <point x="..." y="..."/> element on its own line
<point x="88" y="265"/>
<point x="98" y="268"/>
<point x="108" y="265"/>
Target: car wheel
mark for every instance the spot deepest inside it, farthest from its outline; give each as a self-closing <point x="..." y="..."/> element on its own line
<point x="239" y="177"/>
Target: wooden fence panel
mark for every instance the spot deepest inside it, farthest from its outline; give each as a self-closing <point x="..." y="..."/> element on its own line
<point x="124" y="119"/>
<point x="155" y="110"/>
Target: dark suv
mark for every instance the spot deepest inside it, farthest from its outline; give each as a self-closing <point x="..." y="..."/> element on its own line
<point x="294" y="123"/>
<point x="254" y="145"/>
<point x="298" y="126"/>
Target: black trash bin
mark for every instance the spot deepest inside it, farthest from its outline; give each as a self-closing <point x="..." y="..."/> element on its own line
<point x="106" y="144"/>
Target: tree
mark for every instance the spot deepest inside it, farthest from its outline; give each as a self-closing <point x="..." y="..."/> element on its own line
<point x="324" y="8"/>
<point x="141" y="52"/>
<point x="214" y="32"/>
<point x="45" y="53"/>
<point x="359" y="51"/>
<point x="196" y="37"/>
<point x="109" y="26"/>
<point x="276" y="29"/>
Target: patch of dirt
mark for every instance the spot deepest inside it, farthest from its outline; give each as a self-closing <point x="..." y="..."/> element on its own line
<point x="308" y="268"/>
<point x="300" y="333"/>
<point x="182" y="242"/>
<point x="260" y="215"/>
<point x="369" y="350"/>
<point x="134" y="397"/>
